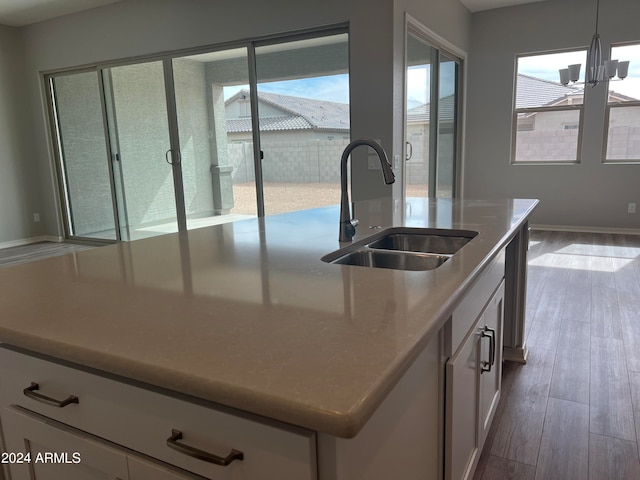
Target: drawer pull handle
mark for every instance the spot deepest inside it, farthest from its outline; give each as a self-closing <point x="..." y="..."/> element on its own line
<point x="31" y="393"/>
<point x="489" y="333"/>
<point x="176" y="435"/>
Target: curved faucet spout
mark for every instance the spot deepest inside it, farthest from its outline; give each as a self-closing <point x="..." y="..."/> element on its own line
<point x="347" y="224"/>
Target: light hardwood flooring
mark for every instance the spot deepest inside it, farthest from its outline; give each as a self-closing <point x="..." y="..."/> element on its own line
<point x="37" y="251"/>
<point x="573" y="411"/>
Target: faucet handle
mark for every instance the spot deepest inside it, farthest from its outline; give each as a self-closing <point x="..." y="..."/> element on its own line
<point x="348" y="230"/>
<point x="355" y="222"/>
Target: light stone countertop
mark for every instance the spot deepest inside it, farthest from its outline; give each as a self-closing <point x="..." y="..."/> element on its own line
<point x="247" y="315"/>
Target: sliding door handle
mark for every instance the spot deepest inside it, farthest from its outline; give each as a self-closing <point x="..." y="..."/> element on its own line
<point x="169" y="158"/>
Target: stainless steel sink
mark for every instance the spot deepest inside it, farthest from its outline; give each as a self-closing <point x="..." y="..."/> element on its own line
<point x="404" y="249"/>
<point x="389" y="259"/>
<point x="413" y="241"/>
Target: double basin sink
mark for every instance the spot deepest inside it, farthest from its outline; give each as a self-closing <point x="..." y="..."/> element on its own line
<point x="403" y="248"/>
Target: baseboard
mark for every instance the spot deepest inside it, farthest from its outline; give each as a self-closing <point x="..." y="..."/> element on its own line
<point x="27" y="241"/>
<point x="565" y="228"/>
<point x="518" y="355"/>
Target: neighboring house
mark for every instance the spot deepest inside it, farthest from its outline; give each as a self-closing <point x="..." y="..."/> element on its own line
<point x="418" y="124"/>
<point x="535" y="92"/>
<point x="302" y="138"/>
<point x="545" y="133"/>
<point x="285" y="117"/>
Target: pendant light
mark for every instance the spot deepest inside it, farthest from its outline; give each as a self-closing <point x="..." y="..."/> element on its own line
<point x="597" y="71"/>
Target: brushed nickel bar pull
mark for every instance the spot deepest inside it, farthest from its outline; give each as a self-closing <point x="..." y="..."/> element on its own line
<point x="491" y="334"/>
<point x="172" y="442"/>
<point x="38" y="397"/>
<point x="492" y="349"/>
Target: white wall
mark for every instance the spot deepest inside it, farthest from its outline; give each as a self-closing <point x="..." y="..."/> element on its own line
<point x="142" y="27"/>
<point x="19" y="185"/>
<point x="589" y="194"/>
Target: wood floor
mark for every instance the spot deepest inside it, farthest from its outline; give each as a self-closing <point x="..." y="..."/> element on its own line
<point x="37" y="251"/>
<point x="573" y="411"/>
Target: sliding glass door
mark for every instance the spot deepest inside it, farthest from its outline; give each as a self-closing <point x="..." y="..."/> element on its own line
<point x="447" y="147"/>
<point x="431" y="129"/>
<point x="164" y="145"/>
<point x="213" y="109"/>
<point x="85" y="176"/>
<point x="116" y="163"/>
<point x="141" y="149"/>
<point x="303" y="106"/>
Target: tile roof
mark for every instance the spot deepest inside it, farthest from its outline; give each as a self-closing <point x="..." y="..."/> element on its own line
<point x="269" y="124"/>
<point x="422" y="113"/>
<point x="298" y="113"/>
<point x="536" y="92"/>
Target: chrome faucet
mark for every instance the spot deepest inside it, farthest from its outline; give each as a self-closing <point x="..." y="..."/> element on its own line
<point x="347" y="224"/>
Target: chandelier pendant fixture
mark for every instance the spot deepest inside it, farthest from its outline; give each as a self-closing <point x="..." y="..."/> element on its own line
<point x="596" y="71"/>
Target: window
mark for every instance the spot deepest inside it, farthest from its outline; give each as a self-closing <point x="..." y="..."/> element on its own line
<point x="623" y="109"/>
<point x="547" y="115"/>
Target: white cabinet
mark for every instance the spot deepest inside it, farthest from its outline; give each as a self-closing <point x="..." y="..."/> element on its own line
<point x="47" y="450"/>
<point x="403" y="438"/>
<point x="54" y="453"/>
<point x="441" y="408"/>
<point x="473" y="377"/>
<point x="492" y="324"/>
<point x="120" y="428"/>
<point x="141" y="469"/>
<point x="188" y="435"/>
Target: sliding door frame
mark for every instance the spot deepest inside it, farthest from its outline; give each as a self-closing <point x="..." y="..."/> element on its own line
<point x="167" y="58"/>
<point x="439" y="45"/>
<point x="60" y="171"/>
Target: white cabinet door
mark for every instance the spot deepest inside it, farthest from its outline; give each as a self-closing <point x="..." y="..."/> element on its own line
<point x="462" y="440"/>
<point x="473" y="379"/>
<point x="56" y="453"/>
<point x="491" y="361"/>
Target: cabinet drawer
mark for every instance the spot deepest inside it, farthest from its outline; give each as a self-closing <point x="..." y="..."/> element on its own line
<point x="144" y="421"/>
<point x="466" y="313"/>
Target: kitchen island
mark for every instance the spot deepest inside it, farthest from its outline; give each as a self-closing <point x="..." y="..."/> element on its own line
<point x="246" y="318"/>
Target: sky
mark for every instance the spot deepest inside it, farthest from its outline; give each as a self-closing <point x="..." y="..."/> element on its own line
<point x="547" y="66"/>
<point x="335" y="88"/>
<point x="332" y="88"/>
<point x="418" y="88"/>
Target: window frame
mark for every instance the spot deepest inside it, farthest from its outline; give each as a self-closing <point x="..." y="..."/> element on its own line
<point x="605" y="141"/>
<point x="543" y="109"/>
<point x="607" y="119"/>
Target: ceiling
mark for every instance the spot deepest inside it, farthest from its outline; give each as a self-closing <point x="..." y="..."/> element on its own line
<point x="17" y="13"/>
<point x="23" y="12"/>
